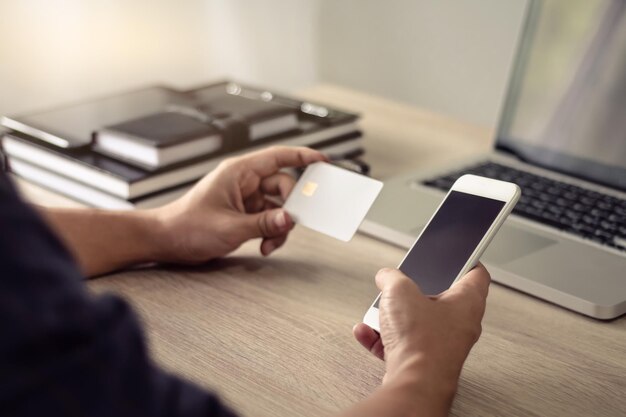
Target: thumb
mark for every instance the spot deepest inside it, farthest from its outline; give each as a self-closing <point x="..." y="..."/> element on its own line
<point x="389" y="277"/>
<point x="476" y="280"/>
<point x="382" y="277"/>
<point x="269" y="223"/>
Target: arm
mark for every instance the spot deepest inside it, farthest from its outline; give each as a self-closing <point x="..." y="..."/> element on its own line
<point x="65" y="352"/>
<point x="69" y="342"/>
<point x="225" y="209"/>
<point x="408" y="396"/>
<point x="424" y="342"/>
<point x="102" y="241"/>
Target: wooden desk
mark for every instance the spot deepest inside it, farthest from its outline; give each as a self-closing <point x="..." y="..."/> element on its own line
<point x="273" y="336"/>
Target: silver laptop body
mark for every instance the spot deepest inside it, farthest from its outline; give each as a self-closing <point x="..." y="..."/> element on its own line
<point x="562" y="132"/>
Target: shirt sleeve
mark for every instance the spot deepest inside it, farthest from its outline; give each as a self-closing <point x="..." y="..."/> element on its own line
<point x="64" y="352"/>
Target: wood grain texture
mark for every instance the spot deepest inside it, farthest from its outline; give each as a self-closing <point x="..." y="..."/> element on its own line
<point x="273" y="335"/>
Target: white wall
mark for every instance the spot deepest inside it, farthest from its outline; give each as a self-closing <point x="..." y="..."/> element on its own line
<point x="56" y="51"/>
<point x="272" y="42"/>
<point x="59" y="51"/>
<point x="448" y="55"/>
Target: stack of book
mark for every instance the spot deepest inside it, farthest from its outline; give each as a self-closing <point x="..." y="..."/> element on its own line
<point x="147" y="147"/>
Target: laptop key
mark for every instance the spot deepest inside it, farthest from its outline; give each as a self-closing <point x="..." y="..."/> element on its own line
<point x="588" y="214"/>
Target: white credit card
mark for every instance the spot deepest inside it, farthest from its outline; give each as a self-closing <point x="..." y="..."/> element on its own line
<point x="332" y="200"/>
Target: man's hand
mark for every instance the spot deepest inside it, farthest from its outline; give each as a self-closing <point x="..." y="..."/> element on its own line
<point x="425" y="340"/>
<point x="225" y="209"/>
<point x="230" y="206"/>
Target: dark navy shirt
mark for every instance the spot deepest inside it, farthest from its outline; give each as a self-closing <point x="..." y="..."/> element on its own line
<point x="64" y="352"/>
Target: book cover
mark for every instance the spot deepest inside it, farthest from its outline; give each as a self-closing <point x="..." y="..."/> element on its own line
<point x="158" y="140"/>
<point x="127" y="181"/>
<point x="74" y="125"/>
<point x="316" y="126"/>
<point x="80" y="191"/>
<point x="163" y="129"/>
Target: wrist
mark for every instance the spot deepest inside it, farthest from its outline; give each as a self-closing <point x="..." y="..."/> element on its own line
<point x="156" y="235"/>
<point x="422" y="377"/>
<point x="420" y="395"/>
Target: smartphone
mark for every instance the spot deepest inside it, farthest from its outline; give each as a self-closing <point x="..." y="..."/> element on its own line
<point x="456" y="236"/>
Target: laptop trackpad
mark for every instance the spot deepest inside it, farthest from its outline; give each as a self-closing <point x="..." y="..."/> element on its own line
<point x="512" y="243"/>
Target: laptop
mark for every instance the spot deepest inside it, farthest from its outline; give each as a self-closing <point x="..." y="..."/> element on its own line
<point x="562" y="138"/>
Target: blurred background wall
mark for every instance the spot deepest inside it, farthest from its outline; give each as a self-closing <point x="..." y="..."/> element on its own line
<point x="449" y="56"/>
<point x="56" y="51"/>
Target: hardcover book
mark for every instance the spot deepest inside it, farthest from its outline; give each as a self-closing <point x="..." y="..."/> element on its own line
<point x="158" y="140"/>
<point x="128" y="181"/>
<point x="166" y="138"/>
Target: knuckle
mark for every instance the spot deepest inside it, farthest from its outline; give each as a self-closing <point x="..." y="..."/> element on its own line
<point x="478" y="303"/>
<point x="475" y="332"/>
<point x="277" y="148"/>
<point x="262" y="225"/>
<point x="469" y="334"/>
<point x="479" y="330"/>
<point x="472" y="330"/>
<point x="228" y="163"/>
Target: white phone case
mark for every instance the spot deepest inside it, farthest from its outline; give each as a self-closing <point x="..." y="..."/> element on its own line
<point x="507" y="192"/>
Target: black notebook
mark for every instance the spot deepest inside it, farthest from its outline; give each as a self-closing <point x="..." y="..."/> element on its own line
<point x="261" y="118"/>
<point x="197" y="126"/>
<point x="158" y="140"/>
<point x="99" y="171"/>
<point x="75" y="125"/>
<point x="128" y="182"/>
<point x="59" y="141"/>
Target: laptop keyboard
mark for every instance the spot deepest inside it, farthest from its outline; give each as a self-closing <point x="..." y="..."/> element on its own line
<point x="585" y="213"/>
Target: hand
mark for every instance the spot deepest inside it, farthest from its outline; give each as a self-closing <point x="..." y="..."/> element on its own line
<point x="426" y="338"/>
<point x="229" y="206"/>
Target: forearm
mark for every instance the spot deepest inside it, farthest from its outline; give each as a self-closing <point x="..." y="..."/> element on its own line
<point x="103" y="241"/>
<point x="408" y="395"/>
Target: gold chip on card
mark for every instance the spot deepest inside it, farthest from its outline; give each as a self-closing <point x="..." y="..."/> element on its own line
<point x="309" y="188"/>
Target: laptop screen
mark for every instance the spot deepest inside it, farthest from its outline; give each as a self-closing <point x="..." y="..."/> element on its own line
<point x="566" y="105"/>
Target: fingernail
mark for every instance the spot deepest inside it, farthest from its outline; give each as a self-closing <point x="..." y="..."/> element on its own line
<point x="383" y="271"/>
<point x="280" y="220"/>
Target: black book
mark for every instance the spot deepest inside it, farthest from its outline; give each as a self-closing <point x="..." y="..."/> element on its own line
<point x="198" y="125"/>
<point x="60" y="140"/>
<point x="129" y="182"/>
<point x="99" y="171"/>
<point x="158" y="140"/>
<point x="315" y="114"/>
<point x="83" y="193"/>
<point x="74" y="125"/>
<point x="261" y="118"/>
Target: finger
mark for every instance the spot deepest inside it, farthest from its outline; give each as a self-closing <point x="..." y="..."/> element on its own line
<point x="270" y="245"/>
<point x="269" y="161"/>
<point x="370" y="340"/>
<point x="478" y="280"/>
<point x="388" y="277"/>
<point x="381" y="277"/>
<point x="271" y="203"/>
<point x="279" y="184"/>
<point x="254" y="203"/>
<point x="268" y="224"/>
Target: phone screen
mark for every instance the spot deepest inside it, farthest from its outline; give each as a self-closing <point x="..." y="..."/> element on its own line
<point x="449" y="240"/>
